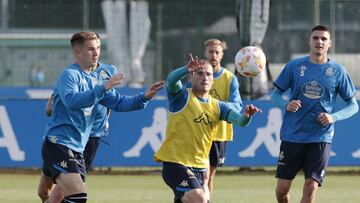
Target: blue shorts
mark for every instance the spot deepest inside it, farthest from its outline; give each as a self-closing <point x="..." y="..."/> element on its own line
<point x="90" y="151"/>
<point x="61" y="159"/>
<point x="182" y="179"/>
<point x="311" y="157"/>
<point x="217" y="154"/>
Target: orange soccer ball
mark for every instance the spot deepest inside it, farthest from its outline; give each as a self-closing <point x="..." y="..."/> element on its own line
<point x="250" y="61"/>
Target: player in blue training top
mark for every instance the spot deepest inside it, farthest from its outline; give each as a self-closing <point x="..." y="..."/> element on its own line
<point x="308" y="125"/>
<point x="101" y="123"/>
<point x="193" y="120"/>
<point x="99" y="130"/>
<point x="77" y="94"/>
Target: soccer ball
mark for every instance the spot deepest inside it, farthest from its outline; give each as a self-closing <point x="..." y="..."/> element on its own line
<point x="250" y="61"/>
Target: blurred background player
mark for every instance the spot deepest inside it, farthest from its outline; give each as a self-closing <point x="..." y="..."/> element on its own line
<point x="76" y="95"/>
<point x="225" y="88"/>
<point x="308" y="125"/>
<point x="100" y="129"/>
<point x="192" y="126"/>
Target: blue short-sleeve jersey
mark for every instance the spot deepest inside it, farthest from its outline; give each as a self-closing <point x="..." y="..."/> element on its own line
<point x="316" y="86"/>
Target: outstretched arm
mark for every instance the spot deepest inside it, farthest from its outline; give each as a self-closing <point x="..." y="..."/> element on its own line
<point x="117" y="102"/>
<point x="236" y="118"/>
<point x="153" y="89"/>
<point x="174" y="78"/>
<point x="74" y="98"/>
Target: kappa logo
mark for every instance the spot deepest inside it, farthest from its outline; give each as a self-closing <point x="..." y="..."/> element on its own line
<point x="329" y="72"/>
<point x="204" y="118"/>
<point x="184" y="183"/>
<point x="63" y="164"/>
<point x="214" y="94"/>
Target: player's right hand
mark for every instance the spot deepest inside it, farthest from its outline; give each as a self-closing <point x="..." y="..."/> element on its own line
<point x="293" y="105"/>
<point x="193" y="64"/>
<point x="251" y="110"/>
<point x="114" y="80"/>
<point x="153" y="89"/>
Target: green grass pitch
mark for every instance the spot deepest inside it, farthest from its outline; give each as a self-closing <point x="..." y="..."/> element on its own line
<point x="229" y="188"/>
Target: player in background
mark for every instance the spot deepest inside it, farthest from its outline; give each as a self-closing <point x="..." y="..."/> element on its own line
<point x="77" y="94"/>
<point x="308" y="125"/>
<point x="193" y="120"/>
<point x="225" y="88"/>
<point x="54" y="194"/>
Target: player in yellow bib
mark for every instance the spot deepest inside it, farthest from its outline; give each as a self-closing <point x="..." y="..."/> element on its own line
<point x="225" y="88"/>
<point x="193" y="120"/>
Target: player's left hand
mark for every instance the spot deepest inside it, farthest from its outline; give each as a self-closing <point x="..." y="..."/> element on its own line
<point x="153" y="89"/>
<point x="114" y="81"/>
<point x="325" y="119"/>
<point x="251" y="110"/>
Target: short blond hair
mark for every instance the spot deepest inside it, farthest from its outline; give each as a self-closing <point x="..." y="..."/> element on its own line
<point x="211" y="42"/>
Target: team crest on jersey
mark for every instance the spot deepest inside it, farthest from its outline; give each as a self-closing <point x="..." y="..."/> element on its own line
<point x="312" y="90"/>
<point x="329" y="72"/>
<point x="103" y="75"/>
<point x="214" y="94"/>
<point x="204" y="118"/>
<point x="302" y="70"/>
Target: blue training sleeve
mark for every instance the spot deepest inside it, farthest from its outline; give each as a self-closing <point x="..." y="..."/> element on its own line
<point x="278" y="99"/>
<point x="235" y="98"/>
<point x="351" y="108"/>
<point x="114" y="101"/>
<point x="174" y="79"/>
<point x="238" y="119"/>
<point x="70" y="94"/>
<point x="227" y="114"/>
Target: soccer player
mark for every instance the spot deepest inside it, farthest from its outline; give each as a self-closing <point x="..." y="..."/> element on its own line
<point x="224" y="88"/>
<point x="77" y="94"/>
<point x="99" y="129"/>
<point x="308" y="125"/>
<point x="193" y="120"/>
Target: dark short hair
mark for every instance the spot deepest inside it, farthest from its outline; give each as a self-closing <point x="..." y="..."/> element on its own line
<point x="79" y="37"/>
<point x="321" y="28"/>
